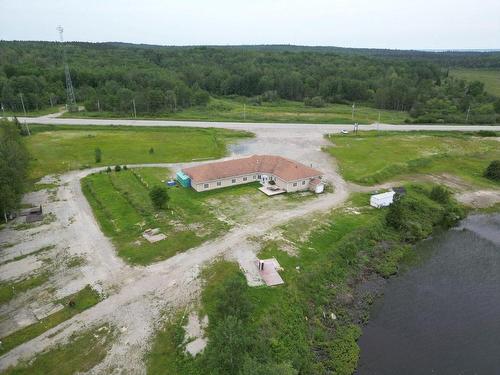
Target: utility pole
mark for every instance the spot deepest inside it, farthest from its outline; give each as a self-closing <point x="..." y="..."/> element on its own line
<point x="70" y="92"/>
<point x="135" y="113"/>
<point x="3" y="110"/>
<point x="98" y="106"/>
<point x="353" y="107"/>
<point x="468" y="112"/>
<point x="27" y="127"/>
<point x="50" y="99"/>
<point x="22" y="102"/>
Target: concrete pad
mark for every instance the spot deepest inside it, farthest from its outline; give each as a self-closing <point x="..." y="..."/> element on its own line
<point x="270" y="273"/>
<point x="269" y="192"/>
<point x="47" y="310"/>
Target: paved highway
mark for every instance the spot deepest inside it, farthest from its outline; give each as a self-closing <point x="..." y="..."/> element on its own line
<point x="323" y="128"/>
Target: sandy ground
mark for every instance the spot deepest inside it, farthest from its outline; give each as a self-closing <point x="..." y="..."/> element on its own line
<point x="137" y="297"/>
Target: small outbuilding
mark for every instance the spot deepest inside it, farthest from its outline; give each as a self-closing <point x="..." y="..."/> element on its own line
<point x="317" y="186"/>
<point x="382" y="200"/>
<point x="183" y="179"/>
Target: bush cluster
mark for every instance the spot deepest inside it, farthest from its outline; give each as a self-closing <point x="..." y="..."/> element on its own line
<point x="493" y="171"/>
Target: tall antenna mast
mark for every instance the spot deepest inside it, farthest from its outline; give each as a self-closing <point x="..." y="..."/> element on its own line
<point x="70" y="93"/>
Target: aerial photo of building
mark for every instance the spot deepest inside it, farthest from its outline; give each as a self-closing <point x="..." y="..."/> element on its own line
<point x="277" y="175"/>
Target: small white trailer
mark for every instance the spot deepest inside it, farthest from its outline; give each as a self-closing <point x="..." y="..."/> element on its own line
<point x="382" y="200"/>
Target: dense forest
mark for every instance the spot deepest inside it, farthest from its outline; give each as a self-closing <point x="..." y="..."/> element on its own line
<point x="110" y="76"/>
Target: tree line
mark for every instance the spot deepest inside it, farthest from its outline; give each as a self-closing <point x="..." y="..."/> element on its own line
<point x="124" y="78"/>
<point x="14" y="161"/>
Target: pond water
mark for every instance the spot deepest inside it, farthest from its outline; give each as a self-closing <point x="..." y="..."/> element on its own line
<point x="442" y="314"/>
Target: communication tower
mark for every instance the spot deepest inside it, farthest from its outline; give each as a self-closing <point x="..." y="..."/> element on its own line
<point x="70" y="92"/>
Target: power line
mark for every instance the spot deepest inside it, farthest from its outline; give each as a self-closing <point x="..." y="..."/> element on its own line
<point x="70" y="92"/>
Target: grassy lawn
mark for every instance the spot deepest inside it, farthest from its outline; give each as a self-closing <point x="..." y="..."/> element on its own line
<point x="83" y="299"/>
<point x="84" y="351"/>
<point x="57" y="149"/>
<point x="224" y="109"/>
<point x="372" y="157"/>
<point x="490" y="78"/>
<point x="122" y="206"/>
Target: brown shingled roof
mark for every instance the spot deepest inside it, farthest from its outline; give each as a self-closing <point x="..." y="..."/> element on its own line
<point x="287" y="170"/>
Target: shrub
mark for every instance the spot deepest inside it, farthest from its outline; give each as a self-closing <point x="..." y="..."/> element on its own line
<point x="440" y="194"/>
<point x="388" y="264"/>
<point x="317" y="102"/>
<point x="486" y="133"/>
<point x="493" y="171"/>
<point x="98" y="155"/>
<point x="159" y="197"/>
<point x="345" y="350"/>
<point x="151" y="151"/>
<point x="118" y="168"/>
<point x="414" y="216"/>
<point x="108" y="169"/>
<point x="125" y="167"/>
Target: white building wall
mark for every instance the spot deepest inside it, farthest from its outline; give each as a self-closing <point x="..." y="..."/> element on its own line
<point x="299" y="185"/>
<point x="225" y="182"/>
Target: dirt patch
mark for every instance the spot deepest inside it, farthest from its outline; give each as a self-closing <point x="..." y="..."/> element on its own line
<point x="195" y="333"/>
<point x="479" y="199"/>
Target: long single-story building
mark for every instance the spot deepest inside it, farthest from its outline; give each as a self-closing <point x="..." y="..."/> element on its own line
<point x="285" y="174"/>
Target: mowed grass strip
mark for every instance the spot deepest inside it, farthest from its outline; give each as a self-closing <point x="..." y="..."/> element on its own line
<point x="84" y="351"/>
<point x="122" y="206"/>
<point x="373" y="157"/>
<point x="84" y="299"/>
<point x="226" y="109"/>
<point x="57" y="149"/>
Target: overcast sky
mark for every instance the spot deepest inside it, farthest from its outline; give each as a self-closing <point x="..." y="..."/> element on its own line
<point x="402" y="24"/>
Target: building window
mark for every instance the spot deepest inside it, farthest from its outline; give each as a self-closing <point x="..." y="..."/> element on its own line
<point x="258" y="176"/>
<point x="303" y="182"/>
<point x="254" y="177"/>
<point x="294" y="184"/>
<point x="205" y="186"/>
<point x="219" y="183"/>
<point x="244" y="179"/>
<point x="233" y="181"/>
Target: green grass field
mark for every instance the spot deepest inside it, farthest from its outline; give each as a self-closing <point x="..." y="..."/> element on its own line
<point x="223" y="109"/>
<point x="371" y="157"/>
<point x="490" y="78"/>
<point x="123" y="208"/>
<point x="56" y="149"/>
